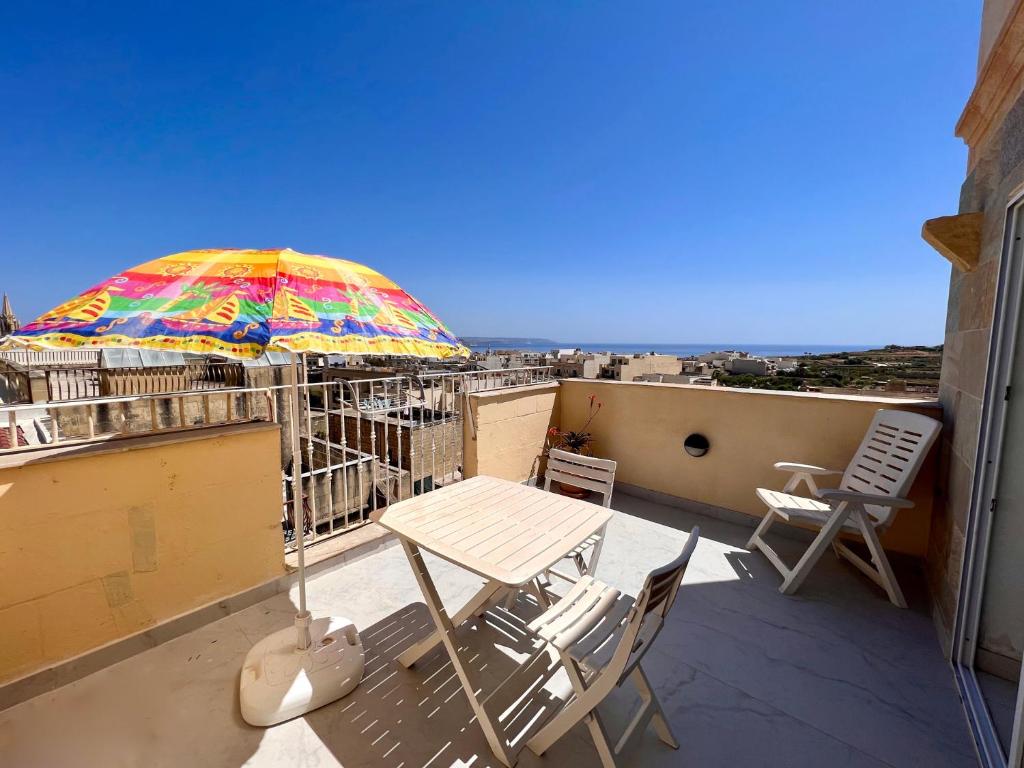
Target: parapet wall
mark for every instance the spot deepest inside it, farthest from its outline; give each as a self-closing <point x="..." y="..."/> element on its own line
<point x="504" y="431"/>
<point x="642" y="426"/>
<point x="100" y="542"/>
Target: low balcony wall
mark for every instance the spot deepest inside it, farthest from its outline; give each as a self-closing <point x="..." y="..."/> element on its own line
<point x="642" y="426"/>
<point x="100" y="542"/>
<point x="504" y="431"/>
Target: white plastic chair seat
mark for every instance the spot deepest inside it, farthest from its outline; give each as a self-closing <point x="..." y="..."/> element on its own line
<point x="601" y="636"/>
<point x="583" y="608"/>
<point x="799" y="508"/>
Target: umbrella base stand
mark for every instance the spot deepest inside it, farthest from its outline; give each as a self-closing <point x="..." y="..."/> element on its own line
<point x="280" y="681"/>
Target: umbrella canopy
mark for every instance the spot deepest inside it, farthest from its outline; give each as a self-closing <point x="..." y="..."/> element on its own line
<point x="241" y="303"/>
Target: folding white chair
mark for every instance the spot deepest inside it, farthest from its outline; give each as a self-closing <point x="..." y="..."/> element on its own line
<point x="593" y="475"/>
<point x="601" y="637"/>
<point x="873" y="488"/>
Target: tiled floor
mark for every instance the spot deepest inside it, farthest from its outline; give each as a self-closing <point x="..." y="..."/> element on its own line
<point x="833" y="677"/>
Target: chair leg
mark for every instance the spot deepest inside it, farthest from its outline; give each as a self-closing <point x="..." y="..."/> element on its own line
<point x="762" y="529"/>
<point x="600" y="736"/>
<point x="650" y="699"/>
<point x="595" y="552"/>
<point x="821" y="542"/>
<point x="885" y="572"/>
<point x="538" y="591"/>
<point x="580" y="563"/>
<point x="510" y="599"/>
<point x="535" y="588"/>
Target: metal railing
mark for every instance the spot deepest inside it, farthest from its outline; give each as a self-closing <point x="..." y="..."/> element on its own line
<point x="501" y="378"/>
<point x="77" y="383"/>
<point x="15" y="386"/>
<point x="364" y="443"/>
<point x="52" y="357"/>
<point x="109" y="418"/>
<point x="367" y="443"/>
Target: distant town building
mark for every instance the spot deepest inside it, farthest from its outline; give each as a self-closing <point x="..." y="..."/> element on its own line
<point x="696" y="367"/>
<point x="680" y="378"/>
<point x="719" y="359"/>
<point x="566" y="354"/>
<point x="757" y="366"/>
<point x="581" y="366"/>
<point x="633" y="367"/>
<point x="502" y="359"/>
<point x="8" y="322"/>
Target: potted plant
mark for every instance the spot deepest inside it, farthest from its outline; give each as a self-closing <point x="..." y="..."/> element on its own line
<point x="578" y="441"/>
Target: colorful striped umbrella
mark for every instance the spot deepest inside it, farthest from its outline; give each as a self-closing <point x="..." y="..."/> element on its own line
<point x="241" y="303"/>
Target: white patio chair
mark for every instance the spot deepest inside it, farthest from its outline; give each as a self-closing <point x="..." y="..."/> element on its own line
<point x="873" y="488"/>
<point x="601" y="637"/>
<point x="593" y="475"/>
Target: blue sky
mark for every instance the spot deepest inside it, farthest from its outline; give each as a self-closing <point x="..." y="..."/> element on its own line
<point x="590" y="171"/>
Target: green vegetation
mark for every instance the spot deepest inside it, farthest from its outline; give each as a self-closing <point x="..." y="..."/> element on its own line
<point x="915" y="367"/>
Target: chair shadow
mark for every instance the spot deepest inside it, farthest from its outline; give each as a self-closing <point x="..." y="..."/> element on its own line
<point x="421" y="716"/>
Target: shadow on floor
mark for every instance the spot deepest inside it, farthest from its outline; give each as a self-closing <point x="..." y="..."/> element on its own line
<point x="834" y="675"/>
<point x="420" y="716"/>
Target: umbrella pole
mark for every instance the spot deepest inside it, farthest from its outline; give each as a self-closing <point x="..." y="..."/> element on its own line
<point x="302" y="618"/>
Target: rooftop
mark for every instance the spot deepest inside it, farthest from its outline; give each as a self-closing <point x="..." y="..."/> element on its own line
<point x="833" y="676"/>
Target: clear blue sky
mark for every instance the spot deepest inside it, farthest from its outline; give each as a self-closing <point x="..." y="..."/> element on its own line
<point x="590" y="171"/>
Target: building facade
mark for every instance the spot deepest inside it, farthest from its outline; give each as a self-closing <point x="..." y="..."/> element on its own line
<point x="634" y="367"/>
<point x="977" y="538"/>
<point x="579" y="367"/>
<point x="757" y="366"/>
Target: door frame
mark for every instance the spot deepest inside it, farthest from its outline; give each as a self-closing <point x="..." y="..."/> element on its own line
<point x="1006" y="327"/>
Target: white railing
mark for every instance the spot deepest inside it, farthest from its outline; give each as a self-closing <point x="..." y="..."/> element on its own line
<point x="364" y="443"/>
<point x="108" y="418"/>
<point x="52" y="357"/>
<point x="486" y="380"/>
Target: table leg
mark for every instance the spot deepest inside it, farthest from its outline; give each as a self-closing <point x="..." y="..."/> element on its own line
<point x="477" y="605"/>
<point x="446" y="634"/>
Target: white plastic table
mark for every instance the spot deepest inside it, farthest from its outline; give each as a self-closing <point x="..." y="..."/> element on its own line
<point x="505" y="532"/>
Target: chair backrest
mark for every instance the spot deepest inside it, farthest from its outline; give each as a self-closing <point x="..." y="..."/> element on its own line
<point x="889" y="458"/>
<point x="652" y="606"/>
<point x="600" y="614"/>
<point x="581" y="471"/>
<point x="662" y="583"/>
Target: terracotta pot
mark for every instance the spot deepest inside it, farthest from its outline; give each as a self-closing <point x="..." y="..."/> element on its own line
<point x="572" y="490"/>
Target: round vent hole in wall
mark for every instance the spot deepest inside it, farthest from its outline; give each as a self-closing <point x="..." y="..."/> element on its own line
<point x="696" y="445"/>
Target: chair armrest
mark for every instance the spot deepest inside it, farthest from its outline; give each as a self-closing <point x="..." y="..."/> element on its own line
<point x="810" y="469"/>
<point x="837" y="494"/>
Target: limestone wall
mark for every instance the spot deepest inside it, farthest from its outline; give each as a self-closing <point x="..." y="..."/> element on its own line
<point x="642" y="426"/>
<point x="101" y="542"/>
<point x="505" y="431"/>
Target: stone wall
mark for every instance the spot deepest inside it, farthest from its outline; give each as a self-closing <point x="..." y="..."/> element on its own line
<point x="100" y="542"/>
<point x="505" y="431"/>
<point x="995" y="176"/>
<point x="642" y="426"/>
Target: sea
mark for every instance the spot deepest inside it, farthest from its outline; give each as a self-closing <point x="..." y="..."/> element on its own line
<point x="678" y="350"/>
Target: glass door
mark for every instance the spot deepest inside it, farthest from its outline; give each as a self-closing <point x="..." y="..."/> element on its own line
<point x="990" y="624"/>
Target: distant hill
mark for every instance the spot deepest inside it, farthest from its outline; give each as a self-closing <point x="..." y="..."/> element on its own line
<point x="503" y="341"/>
